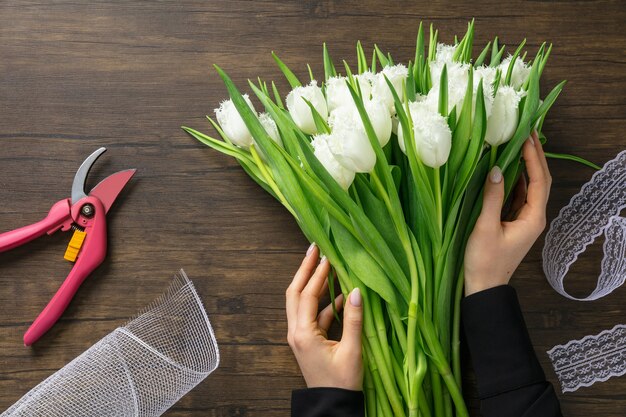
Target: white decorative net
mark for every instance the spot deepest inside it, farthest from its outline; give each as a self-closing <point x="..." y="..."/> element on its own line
<point x="591" y="212"/>
<point x="140" y="369"/>
<point x="581" y="363"/>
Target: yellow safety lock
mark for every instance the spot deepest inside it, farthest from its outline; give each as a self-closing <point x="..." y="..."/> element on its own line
<point x="73" y="248"/>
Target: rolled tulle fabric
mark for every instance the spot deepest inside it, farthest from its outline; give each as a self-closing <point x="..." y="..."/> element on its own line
<point x="140" y="369"/>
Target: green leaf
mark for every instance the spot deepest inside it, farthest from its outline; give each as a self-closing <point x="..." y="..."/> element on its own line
<point x="384" y="62"/>
<point x="361" y="264"/>
<point x="310" y="72"/>
<point x="432" y="44"/>
<point x="329" y="67"/>
<point x="373" y="61"/>
<point x="483" y="55"/>
<point x="443" y="92"/>
<point x="531" y="102"/>
<point x="410" y="84"/>
<point x="548" y="102"/>
<point x="277" y="98"/>
<point x="462" y="131"/>
<point x="419" y="45"/>
<point x="495" y="59"/>
<point x="291" y="77"/>
<point x="494" y="51"/>
<point x="362" y="61"/>
<point x="474" y="150"/>
<point x="320" y="123"/>
<point x="509" y="71"/>
<point x="573" y="158"/>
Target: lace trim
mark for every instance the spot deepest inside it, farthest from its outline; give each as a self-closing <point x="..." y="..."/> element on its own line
<point x="590" y="213"/>
<point x="581" y="363"/>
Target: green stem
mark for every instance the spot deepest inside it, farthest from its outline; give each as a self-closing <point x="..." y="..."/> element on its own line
<point x="438" y="203"/>
<point x="439" y="360"/>
<point x="270" y="180"/>
<point x="423" y="404"/>
<point x="381" y="393"/>
<point x="493" y="156"/>
<point x="370" y="390"/>
<point x="435" y="382"/>
<point x="456" y="329"/>
<point x="379" y="358"/>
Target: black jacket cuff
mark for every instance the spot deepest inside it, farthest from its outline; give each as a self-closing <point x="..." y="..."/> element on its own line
<point x="501" y="350"/>
<point x="327" y="402"/>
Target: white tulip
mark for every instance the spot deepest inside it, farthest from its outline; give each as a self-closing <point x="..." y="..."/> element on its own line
<point x="433" y="138"/>
<point x="396" y="74"/>
<point x="338" y="94"/>
<point x="301" y="112"/>
<point x="520" y="72"/>
<point x="504" y="116"/>
<point x="232" y="124"/>
<point x="343" y="176"/>
<point x="458" y="74"/>
<point x="488" y="75"/>
<point x="348" y="116"/>
<point x="270" y="127"/>
<point x="444" y="53"/>
<point x="380" y="118"/>
<point x="349" y="142"/>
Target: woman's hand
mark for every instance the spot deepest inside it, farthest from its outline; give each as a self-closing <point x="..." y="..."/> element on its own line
<point x="496" y="248"/>
<point x="323" y="362"/>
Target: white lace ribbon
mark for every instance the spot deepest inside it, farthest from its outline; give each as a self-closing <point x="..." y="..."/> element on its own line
<point x="581" y="363"/>
<point x="593" y="211"/>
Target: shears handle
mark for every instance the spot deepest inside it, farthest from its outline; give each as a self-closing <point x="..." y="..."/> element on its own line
<point x="90" y="257"/>
<point x="58" y="216"/>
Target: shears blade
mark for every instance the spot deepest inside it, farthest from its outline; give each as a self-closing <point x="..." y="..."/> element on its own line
<point x="78" y="186"/>
<point x="109" y="188"/>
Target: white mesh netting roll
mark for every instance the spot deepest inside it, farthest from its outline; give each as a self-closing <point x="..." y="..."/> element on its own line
<point x="140" y="369"/>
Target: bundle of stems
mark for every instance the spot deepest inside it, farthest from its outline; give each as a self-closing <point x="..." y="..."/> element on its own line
<point x="399" y="231"/>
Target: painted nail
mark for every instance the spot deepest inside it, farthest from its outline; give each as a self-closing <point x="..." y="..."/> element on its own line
<point x="310" y="249"/>
<point x="355" y="297"/>
<point x="531" y="140"/>
<point x="495" y="176"/>
<point x="324" y="259"/>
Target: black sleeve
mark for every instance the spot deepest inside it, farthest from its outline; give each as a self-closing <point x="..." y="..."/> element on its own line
<point x="327" y="402"/>
<point x="510" y="380"/>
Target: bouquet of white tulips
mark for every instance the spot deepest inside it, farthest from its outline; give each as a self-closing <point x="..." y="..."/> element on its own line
<point x="383" y="168"/>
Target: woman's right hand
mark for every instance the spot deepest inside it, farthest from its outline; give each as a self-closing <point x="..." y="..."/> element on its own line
<point x="496" y="248"/>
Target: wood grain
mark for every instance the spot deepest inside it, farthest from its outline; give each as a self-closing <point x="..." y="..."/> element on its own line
<point x="126" y="75"/>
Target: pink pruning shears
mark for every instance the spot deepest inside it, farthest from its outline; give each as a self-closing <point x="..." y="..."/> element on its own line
<point x="86" y="215"/>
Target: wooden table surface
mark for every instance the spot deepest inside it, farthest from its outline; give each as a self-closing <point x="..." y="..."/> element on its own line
<point x="126" y="75"/>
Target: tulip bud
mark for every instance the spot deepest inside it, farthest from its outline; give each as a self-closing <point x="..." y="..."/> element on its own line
<point x="232" y="124"/>
<point x="432" y="135"/>
<point x="346" y="116"/>
<point x="270" y="127"/>
<point x="299" y="109"/>
<point x="520" y="72"/>
<point x="338" y="94"/>
<point x="488" y="75"/>
<point x="458" y="74"/>
<point x="348" y="141"/>
<point x="504" y="116"/>
<point x="343" y="176"/>
<point x="396" y="74"/>
<point x="444" y="53"/>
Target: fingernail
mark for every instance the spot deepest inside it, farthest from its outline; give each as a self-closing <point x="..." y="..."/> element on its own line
<point x="531" y="140"/>
<point x="310" y="249"/>
<point x="495" y="175"/>
<point x="324" y="259"/>
<point x="355" y="297"/>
